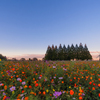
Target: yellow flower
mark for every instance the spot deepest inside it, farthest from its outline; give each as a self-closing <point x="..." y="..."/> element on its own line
<point x="69" y="86"/>
<point x="53" y="89"/>
<point x="80" y="88"/>
<point x="12" y="92"/>
<point x="47" y="90"/>
<point x="0" y="59"/>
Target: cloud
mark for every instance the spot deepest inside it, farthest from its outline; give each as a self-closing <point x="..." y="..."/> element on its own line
<point x="95" y="55"/>
<point x="27" y="56"/>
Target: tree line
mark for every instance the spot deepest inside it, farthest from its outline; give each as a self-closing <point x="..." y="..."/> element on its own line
<point x="4" y="58"/>
<point x="68" y="53"/>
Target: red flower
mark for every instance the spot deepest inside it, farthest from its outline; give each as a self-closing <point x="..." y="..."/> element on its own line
<point x="40" y="75"/>
<point x="20" y="81"/>
<point x="22" y="91"/>
<point x="99" y="94"/>
<point x="36" y="84"/>
<point x="90" y="83"/>
<point x="70" y="79"/>
<point x="30" y="86"/>
<point x="94" y="84"/>
<point x="71" y="92"/>
<point x="88" y="87"/>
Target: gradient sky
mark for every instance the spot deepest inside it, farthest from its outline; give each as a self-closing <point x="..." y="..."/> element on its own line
<point x="27" y="27"/>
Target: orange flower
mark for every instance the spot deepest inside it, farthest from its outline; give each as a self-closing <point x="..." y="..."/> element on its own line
<point x="4" y="97"/>
<point x="16" y="75"/>
<point x="36" y="74"/>
<point x="11" y="76"/>
<point x="80" y="90"/>
<point x="44" y="92"/>
<point x="39" y="92"/>
<point x="99" y="85"/>
<point x="74" y="78"/>
<point x="25" y="86"/>
<point x="26" y="98"/>
<point x="23" y="72"/>
<point x="35" y="94"/>
<point x="62" y="81"/>
<point x="5" y="87"/>
<point x="34" y="82"/>
<point x="79" y="94"/>
<point x="71" y="92"/>
<point x="80" y="98"/>
<point x="33" y="78"/>
<point x="99" y="79"/>
<point x="93" y="88"/>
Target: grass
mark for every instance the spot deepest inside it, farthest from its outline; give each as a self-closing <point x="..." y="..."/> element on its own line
<point x="50" y="80"/>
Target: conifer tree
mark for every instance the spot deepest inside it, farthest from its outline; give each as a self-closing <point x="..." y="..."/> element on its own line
<point x="76" y="52"/>
<point x="72" y="52"/>
<point x="64" y="53"/>
<point x="68" y="53"/>
<point x="80" y="53"/>
<point x="87" y="54"/>
<point x="60" y="52"/>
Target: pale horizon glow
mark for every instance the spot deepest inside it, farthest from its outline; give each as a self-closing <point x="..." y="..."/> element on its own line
<point x="41" y="56"/>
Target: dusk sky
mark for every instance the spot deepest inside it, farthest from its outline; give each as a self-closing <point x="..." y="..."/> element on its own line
<point x="27" y="27"/>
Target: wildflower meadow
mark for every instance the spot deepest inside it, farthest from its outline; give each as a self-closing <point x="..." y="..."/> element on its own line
<point x="49" y="80"/>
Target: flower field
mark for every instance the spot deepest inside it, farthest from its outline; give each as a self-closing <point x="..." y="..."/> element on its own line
<point x="50" y="80"/>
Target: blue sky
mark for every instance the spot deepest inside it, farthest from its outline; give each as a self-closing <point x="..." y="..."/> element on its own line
<point x="29" y="26"/>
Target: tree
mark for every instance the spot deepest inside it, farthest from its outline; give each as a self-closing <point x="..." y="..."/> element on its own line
<point x="30" y="59"/>
<point x="48" y="55"/>
<point x="72" y="52"/>
<point x="22" y="59"/>
<point x="76" y="52"/>
<point x="80" y="52"/>
<point x="60" y="53"/>
<point x="87" y="54"/>
<point x="14" y="59"/>
<point x="35" y="59"/>
<point x="3" y="57"/>
<point x="64" y="52"/>
<point x="68" y="53"/>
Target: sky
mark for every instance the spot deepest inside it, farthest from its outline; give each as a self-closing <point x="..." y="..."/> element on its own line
<point x="27" y="27"/>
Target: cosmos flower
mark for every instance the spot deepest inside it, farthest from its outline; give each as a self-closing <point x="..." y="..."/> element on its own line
<point x="18" y="79"/>
<point x="12" y="88"/>
<point x="60" y="77"/>
<point x="54" y="66"/>
<point x="39" y="77"/>
<point x="23" y="83"/>
<point x="56" y="94"/>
